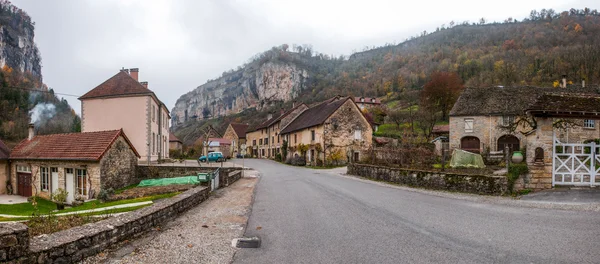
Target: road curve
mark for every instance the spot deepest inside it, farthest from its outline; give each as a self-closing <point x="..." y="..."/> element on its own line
<point x="313" y="216"/>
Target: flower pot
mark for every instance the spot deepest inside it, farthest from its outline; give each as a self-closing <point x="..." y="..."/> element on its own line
<point x="517" y="157"/>
<point x="60" y="206"/>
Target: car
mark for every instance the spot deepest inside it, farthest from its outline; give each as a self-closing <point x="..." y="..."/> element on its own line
<point x="239" y="156"/>
<point x="213" y="156"/>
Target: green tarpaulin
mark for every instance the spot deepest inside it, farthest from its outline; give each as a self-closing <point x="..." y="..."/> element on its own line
<point x="464" y="159"/>
<point x="201" y="177"/>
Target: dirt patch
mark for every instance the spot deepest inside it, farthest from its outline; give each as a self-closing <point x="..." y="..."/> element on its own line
<point x="139" y="192"/>
<point x="39" y="225"/>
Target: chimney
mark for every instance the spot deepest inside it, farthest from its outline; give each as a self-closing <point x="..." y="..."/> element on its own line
<point x="145" y="84"/>
<point x="281" y="111"/>
<point x="293" y="103"/>
<point x="564" y="81"/>
<point x="583" y="83"/>
<point x="125" y="70"/>
<point x="31" y="132"/>
<point x="134" y="73"/>
<point x="269" y="116"/>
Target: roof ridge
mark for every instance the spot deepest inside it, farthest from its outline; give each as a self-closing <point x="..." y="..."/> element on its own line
<point x="73" y="133"/>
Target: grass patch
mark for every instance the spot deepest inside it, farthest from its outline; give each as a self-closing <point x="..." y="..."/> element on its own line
<point x="26" y="209"/>
<point x="98" y="204"/>
<point x="439" y="166"/>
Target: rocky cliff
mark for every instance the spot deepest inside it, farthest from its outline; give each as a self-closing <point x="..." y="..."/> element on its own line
<point x="17" y="48"/>
<point x="257" y="85"/>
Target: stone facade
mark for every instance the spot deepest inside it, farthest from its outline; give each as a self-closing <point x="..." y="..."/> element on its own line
<point x="485" y="128"/>
<point x="75" y="244"/>
<point x="116" y="169"/>
<point x="336" y="134"/>
<point x="236" y="142"/>
<point x="4" y="175"/>
<point x="478" y="184"/>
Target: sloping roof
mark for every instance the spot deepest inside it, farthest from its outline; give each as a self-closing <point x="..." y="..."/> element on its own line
<point x="4" y="151"/>
<point x="504" y="100"/>
<point x="173" y="138"/>
<point x="74" y="146"/>
<point x="239" y="129"/>
<point x="440" y="129"/>
<point x="274" y="119"/>
<point x="564" y="104"/>
<point x="315" y="115"/>
<point x="368" y="100"/>
<point x="121" y="84"/>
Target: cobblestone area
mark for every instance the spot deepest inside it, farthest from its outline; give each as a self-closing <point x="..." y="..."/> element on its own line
<point x="201" y="235"/>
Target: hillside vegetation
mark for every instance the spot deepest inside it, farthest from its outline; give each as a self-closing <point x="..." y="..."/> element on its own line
<point x="535" y="51"/>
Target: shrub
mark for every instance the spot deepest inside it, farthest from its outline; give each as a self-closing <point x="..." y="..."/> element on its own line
<point x="278" y="157"/>
<point x="104" y="194"/>
<point x="298" y="161"/>
<point x="60" y="196"/>
<point x="514" y="172"/>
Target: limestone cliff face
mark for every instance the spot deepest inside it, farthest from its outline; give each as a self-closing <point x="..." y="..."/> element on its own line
<point x="255" y="86"/>
<point x="17" y="48"/>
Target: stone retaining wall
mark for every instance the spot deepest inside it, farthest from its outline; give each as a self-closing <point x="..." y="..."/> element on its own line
<point x="228" y="176"/>
<point x="479" y="184"/>
<point x="154" y="172"/>
<point x="73" y="245"/>
<point x="14" y="241"/>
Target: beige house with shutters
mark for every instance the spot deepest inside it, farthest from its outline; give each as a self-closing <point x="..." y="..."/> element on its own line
<point x="122" y="102"/>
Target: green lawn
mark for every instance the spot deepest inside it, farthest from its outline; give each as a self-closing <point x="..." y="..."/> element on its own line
<point x="26" y="209"/>
<point x="45" y="206"/>
<point x="126" y="188"/>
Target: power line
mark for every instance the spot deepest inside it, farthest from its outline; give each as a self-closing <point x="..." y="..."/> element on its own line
<point x="41" y="91"/>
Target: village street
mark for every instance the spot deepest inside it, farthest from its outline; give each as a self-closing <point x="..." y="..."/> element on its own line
<point x="319" y="216"/>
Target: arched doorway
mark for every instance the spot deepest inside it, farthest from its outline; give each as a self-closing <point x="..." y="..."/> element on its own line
<point x="470" y="144"/>
<point x="509" y="140"/>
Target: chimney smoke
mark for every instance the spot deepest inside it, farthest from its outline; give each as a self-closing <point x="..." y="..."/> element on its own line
<point x="31" y="132"/>
<point x="134" y="73"/>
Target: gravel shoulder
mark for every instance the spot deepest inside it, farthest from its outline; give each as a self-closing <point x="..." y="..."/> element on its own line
<point x="201" y="235"/>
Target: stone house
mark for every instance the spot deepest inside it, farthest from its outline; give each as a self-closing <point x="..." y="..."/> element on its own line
<point x="4" y="166"/>
<point x="236" y="133"/>
<point x="367" y="102"/>
<point x="335" y="129"/>
<point x="265" y="140"/>
<point x="80" y="163"/>
<point x="122" y="102"/>
<point x="222" y="145"/>
<point x="480" y="116"/>
<point x="175" y="143"/>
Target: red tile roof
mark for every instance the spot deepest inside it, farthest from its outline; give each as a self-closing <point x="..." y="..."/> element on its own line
<point x="118" y="85"/>
<point x="4" y="151"/>
<point x="239" y="129"/>
<point x="75" y="146"/>
<point x="173" y="138"/>
<point x="441" y="129"/>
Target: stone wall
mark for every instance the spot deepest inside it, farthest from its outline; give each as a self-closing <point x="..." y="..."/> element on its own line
<point x="478" y="184"/>
<point x="485" y="128"/>
<point x="3" y="176"/>
<point x="117" y="166"/>
<point x="14" y="241"/>
<point x="228" y="176"/>
<point x="75" y="244"/>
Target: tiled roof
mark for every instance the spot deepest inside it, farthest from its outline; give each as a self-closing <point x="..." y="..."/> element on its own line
<point x="368" y="100"/>
<point x="274" y="119"/>
<point x="315" y="115"/>
<point x="564" y="102"/>
<point x="122" y="84"/>
<point x="441" y="129"/>
<point x="173" y="138"/>
<point x="239" y="129"/>
<point x="4" y="151"/>
<point x="504" y="100"/>
<point x="75" y="146"/>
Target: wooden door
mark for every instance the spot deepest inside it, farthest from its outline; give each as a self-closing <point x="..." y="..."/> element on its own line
<point x="470" y="144"/>
<point x="24" y="184"/>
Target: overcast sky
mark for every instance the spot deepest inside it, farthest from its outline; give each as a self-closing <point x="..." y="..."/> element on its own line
<point x="179" y="44"/>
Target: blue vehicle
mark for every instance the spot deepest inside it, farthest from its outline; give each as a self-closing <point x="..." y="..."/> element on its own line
<point x="213" y="156"/>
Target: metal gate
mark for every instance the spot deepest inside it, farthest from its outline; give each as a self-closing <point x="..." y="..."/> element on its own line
<point x="576" y="164"/>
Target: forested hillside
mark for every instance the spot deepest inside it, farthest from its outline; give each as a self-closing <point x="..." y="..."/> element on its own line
<point x="23" y="96"/>
<point x="536" y="51"/>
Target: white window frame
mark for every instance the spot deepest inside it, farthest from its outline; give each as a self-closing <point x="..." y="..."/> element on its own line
<point x="589" y="123"/>
<point x="358" y="134"/>
<point x="23" y="168"/>
<point x="508" y="120"/>
<point x="81" y="173"/>
<point x="469" y="128"/>
<point x="44" y="179"/>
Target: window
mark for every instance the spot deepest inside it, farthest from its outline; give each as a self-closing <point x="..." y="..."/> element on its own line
<point x="278" y="138"/>
<point x="312" y="135"/>
<point x="153" y="142"/>
<point x="45" y="179"/>
<point x="272" y="140"/>
<point x="589" y="123"/>
<point x="266" y="141"/>
<point x="157" y="114"/>
<point x="81" y="182"/>
<point x="68" y="171"/>
<point x="508" y="120"/>
<point x="469" y="125"/>
<point x="21" y="168"/>
<point x="260" y="141"/>
<point x="153" y="112"/>
<point x="357" y="134"/>
<point x="295" y="138"/>
<point x="254" y="142"/>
